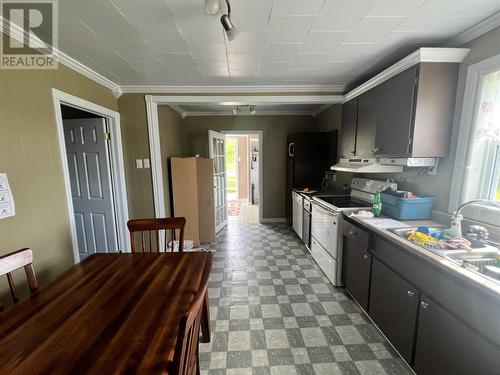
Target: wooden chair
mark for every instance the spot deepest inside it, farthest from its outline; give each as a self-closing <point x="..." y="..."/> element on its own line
<point x="15" y="260"/>
<point x="186" y="356"/>
<point x="154" y="226"/>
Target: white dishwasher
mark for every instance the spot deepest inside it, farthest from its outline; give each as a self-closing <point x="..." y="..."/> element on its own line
<point x="297" y="213"/>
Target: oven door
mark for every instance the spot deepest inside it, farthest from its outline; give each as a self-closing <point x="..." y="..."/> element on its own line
<point x="325" y="228"/>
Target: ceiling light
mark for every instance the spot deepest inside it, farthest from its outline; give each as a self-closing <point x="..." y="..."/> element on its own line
<point x="252" y="110"/>
<point x="231" y="31"/>
<point x="236" y="110"/>
<point x="212" y="6"/>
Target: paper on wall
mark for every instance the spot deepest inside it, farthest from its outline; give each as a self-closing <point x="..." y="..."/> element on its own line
<point x="7" y="206"/>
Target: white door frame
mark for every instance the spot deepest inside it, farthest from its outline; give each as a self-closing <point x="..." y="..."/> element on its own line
<point x="260" y="134"/>
<point x="152" y="102"/>
<point x="116" y="162"/>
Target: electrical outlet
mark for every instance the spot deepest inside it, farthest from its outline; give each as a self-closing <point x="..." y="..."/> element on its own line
<point x="138" y="163"/>
<point x="145" y="163"/>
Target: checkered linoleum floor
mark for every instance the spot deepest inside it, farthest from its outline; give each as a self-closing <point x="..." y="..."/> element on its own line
<point x="273" y="311"/>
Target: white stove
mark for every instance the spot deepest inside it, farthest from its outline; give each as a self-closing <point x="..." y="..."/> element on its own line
<point x="326" y="223"/>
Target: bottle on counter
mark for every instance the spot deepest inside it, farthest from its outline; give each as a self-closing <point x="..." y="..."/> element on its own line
<point x="377" y="204"/>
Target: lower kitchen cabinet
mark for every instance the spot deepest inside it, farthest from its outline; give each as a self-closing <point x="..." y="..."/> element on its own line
<point x="393" y="307"/>
<point x="446" y="346"/>
<point x="356" y="264"/>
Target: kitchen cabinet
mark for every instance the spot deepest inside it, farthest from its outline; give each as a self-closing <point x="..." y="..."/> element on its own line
<point x="356" y="263"/>
<point x="396" y="100"/>
<point x="297" y="213"/>
<point x="447" y="346"/>
<point x="408" y="115"/>
<point x="348" y="128"/>
<point x="393" y="307"/>
<point x="367" y="123"/>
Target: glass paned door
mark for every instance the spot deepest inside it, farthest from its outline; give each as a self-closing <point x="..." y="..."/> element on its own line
<point x="217" y="152"/>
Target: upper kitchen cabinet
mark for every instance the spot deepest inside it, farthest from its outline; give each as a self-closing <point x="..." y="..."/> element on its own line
<point x="349" y="124"/>
<point x="405" y="111"/>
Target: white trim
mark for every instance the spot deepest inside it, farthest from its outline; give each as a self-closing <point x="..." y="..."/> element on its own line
<point x="449" y="55"/>
<point x="17" y="33"/>
<point x="232" y="100"/>
<point x="317" y="111"/>
<point x="260" y="134"/>
<point x="470" y="108"/>
<point x="116" y="160"/>
<point x="274" y="220"/>
<point x="148" y="89"/>
<point x="259" y="113"/>
<point x="475" y="31"/>
<point x="155" y="156"/>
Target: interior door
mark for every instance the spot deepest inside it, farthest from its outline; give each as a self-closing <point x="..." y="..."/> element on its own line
<point x="90" y="178"/>
<point x="217" y="152"/>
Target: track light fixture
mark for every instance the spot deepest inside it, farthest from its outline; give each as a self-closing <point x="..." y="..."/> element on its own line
<point x="212" y="6"/>
<point x="227" y="24"/>
<point x="246" y="108"/>
<point x="252" y="110"/>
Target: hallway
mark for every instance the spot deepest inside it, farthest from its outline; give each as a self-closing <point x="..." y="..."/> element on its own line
<point x="274" y="312"/>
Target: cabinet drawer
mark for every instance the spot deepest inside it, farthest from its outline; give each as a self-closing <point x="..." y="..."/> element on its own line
<point x="354" y="233"/>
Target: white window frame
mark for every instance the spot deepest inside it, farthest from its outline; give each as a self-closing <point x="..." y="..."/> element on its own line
<point x="472" y="96"/>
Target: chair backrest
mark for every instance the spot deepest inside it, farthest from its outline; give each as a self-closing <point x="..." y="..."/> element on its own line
<point x="153" y="228"/>
<point x="15" y="260"/>
<point x="186" y="361"/>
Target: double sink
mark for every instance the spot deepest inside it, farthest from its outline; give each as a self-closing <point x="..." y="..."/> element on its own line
<point x="481" y="259"/>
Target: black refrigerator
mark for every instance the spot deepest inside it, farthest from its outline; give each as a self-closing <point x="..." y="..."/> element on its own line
<point x="309" y="155"/>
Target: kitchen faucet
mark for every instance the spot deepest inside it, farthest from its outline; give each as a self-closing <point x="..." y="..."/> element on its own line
<point x="476" y="231"/>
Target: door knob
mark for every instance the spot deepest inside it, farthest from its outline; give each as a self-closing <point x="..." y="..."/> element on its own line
<point x="366" y="256"/>
<point x="424" y="304"/>
<point x="411" y="294"/>
<point x="376" y="149"/>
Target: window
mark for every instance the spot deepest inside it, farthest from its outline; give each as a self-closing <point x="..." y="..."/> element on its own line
<point x="483" y="167"/>
<point x="477" y="165"/>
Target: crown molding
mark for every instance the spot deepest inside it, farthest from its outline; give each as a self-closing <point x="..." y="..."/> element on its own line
<point x="292" y="89"/>
<point x="16" y="32"/>
<point x="475" y="31"/>
<point x="231" y="100"/>
<point x="444" y="55"/>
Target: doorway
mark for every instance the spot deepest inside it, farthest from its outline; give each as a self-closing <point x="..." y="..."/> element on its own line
<point x="93" y="169"/>
<point x="242" y="169"/>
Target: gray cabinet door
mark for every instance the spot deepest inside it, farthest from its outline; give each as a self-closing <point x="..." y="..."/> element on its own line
<point x="393" y="307"/>
<point x="90" y="178"/>
<point x="367" y="123"/>
<point x="395" y="114"/>
<point x="446" y="346"/>
<point x="348" y="130"/>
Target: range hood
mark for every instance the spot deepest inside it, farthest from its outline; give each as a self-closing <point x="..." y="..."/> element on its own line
<point x="365" y="165"/>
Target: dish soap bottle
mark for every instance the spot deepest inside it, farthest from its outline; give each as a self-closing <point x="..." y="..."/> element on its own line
<point x="377" y="204"/>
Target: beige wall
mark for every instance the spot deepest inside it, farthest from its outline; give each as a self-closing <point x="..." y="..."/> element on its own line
<point x="275" y="130"/>
<point x="173" y="142"/>
<point x="29" y="154"/>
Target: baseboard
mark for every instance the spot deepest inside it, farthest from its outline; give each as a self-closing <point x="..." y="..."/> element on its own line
<point x="273" y="220"/>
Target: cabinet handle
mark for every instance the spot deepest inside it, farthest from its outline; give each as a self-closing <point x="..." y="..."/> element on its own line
<point x="424" y="304"/>
<point x="366" y="256"/>
<point x="352" y="233"/>
<point x="411" y="294"/>
<point x="376" y="150"/>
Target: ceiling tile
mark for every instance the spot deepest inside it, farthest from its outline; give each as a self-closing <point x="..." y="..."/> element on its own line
<point x="177" y="60"/>
<point x="155" y="16"/>
<point x="280" y="52"/>
<point x="130" y="51"/>
<point x="322" y="41"/>
<point x="209" y="52"/>
<point x="341" y="15"/>
<point x="251" y="15"/>
<point x="332" y="68"/>
<point x="351" y="52"/>
<point x="274" y="69"/>
<point x="203" y="29"/>
<point x="288" y="29"/>
<point x="247" y="42"/>
<point x="164" y="41"/>
<point x="112" y="28"/>
<point x="186" y="76"/>
<point x="243" y="61"/>
<point x="213" y="69"/>
<point x="308" y="60"/>
<point x="372" y="29"/>
<point x="480" y="9"/>
<point x="296" y="7"/>
<point x="395" y="8"/>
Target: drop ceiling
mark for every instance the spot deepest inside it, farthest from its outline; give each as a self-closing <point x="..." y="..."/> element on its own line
<point x="281" y="42"/>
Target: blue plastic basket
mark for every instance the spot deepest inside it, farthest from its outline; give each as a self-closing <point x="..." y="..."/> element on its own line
<point x="400" y="208"/>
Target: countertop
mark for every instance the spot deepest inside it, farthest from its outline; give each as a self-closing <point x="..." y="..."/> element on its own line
<point x="490" y="287"/>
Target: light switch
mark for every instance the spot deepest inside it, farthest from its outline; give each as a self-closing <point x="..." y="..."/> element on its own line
<point x="146" y="164"/>
<point x="138" y="163"/>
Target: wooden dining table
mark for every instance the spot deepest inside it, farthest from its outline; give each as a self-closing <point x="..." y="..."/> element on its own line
<point x="109" y="314"/>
